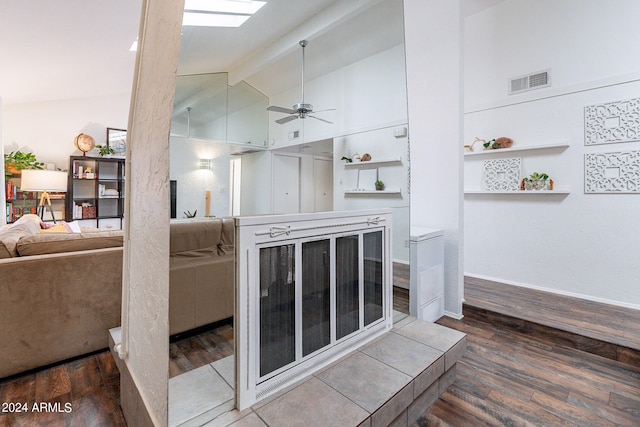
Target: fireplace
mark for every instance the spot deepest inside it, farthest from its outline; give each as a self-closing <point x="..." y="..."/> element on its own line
<point x="310" y="288"/>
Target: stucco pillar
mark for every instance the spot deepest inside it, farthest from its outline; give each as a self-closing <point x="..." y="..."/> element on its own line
<point x="145" y="311"/>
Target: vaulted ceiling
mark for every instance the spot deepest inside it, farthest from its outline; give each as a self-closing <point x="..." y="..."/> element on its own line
<point x="72" y="49"/>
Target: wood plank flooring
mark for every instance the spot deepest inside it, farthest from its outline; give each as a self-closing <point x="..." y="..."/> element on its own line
<point x="608" y="323"/>
<point x="201" y="349"/>
<point x="84" y="392"/>
<point x="505" y="378"/>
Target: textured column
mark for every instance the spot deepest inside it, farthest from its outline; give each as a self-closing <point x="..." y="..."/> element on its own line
<point x="145" y="316"/>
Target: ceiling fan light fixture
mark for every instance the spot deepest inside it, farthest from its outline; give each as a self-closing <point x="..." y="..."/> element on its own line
<point x="300" y="110"/>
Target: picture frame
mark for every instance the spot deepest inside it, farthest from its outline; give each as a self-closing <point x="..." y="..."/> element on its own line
<point x="367" y="179"/>
<point x="117" y="139"/>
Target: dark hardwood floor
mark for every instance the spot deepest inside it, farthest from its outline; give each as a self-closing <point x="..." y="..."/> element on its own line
<point x="201" y="349"/>
<point x="84" y="392"/>
<point x="603" y="322"/>
<point x="505" y="378"/>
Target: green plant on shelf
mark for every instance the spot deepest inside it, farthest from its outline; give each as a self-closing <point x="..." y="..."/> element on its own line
<point x="535" y="181"/>
<point x="105" y="150"/>
<point x="16" y="161"/>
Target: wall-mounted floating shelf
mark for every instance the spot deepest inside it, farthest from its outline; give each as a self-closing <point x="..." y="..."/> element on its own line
<point x="373" y="163"/>
<point x="524" y="193"/>
<point x="517" y="149"/>
<point x="369" y="192"/>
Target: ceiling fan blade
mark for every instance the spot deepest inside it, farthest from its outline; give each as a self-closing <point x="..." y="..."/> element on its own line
<point x="318" y="118"/>
<point x="328" y="109"/>
<point x="286" y="119"/>
<point x="281" y="109"/>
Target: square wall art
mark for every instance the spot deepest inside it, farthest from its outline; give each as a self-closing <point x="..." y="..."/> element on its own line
<point x="617" y="172"/>
<point x="612" y="122"/>
<point x="501" y="174"/>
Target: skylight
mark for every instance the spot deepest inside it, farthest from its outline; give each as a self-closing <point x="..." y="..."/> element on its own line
<point x="219" y="13"/>
<point x="215" y="13"/>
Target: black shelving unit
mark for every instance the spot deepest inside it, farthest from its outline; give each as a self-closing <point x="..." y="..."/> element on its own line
<point x="95" y="193"/>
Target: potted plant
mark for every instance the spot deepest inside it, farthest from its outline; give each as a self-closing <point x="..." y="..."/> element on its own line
<point x="537" y="181"/>
<point x="16" y="161"/>
<point x="105" y="150"/>
<point x="379" y="185"/>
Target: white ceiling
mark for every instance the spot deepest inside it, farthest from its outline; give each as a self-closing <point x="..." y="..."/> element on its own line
<point x="51" y="50"/>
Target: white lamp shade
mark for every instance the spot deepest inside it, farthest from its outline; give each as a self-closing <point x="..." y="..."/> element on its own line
<point x="43" y="180"/>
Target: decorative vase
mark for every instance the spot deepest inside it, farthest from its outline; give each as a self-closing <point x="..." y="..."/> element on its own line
<point x="12" y="169"/>
<point x="539" y="184"/>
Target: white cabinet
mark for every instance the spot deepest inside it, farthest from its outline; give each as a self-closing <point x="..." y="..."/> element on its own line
<point x="426" y="289"/>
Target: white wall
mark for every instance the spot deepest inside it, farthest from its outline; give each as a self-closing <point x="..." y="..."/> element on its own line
<point x="370" y="98"/>
<point x="433" y="39"/>
<point x="48" y="128"/>
<point x="581" y="41"/>
<point x="380" y="144"/>
<point x="579" y="244"/>
<point x="368" y="94"/>
<point x="193" y="182"/>
<point x="255" y="184"/>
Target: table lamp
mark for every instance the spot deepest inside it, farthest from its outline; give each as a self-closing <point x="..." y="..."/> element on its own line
<point x="44" y="181"/>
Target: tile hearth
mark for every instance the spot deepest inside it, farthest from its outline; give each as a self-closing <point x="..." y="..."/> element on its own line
<point x="391" y="381"/>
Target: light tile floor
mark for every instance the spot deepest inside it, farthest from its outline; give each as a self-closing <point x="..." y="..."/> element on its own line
<point x="371" y="386"/>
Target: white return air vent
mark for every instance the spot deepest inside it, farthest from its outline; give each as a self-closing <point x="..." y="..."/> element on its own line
<point x="529" y="82"/>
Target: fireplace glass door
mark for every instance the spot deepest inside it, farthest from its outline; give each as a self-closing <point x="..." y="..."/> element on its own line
<point x="315" y="292"/>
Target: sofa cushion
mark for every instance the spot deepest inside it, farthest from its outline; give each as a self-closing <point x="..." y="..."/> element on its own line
<point x="226" y="246"/>
<point x="195" y="238"/>
<point x="10" y="236"/>
<point x="52" y="243"/>
<point x="29" y="218"/>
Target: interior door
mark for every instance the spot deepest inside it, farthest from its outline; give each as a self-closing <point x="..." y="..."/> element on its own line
<point x="323" y="184"/>
<point x="286" y="184"/>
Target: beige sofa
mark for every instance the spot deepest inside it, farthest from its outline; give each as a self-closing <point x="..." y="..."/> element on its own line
<point x="201" y="284"/>
<point x="61" y="293"/>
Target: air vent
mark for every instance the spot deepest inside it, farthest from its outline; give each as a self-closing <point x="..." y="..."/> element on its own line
<point x="529" y="82"/>
<point x="294" y="135"/>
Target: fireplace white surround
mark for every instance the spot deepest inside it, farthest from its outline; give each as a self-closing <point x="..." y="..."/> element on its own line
<point x="310" y="289"/>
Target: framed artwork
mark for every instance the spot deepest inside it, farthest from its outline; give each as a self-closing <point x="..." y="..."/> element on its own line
<point x="612" y="122"/>
<point x="617" y="172"/>
<point x="501" y="174"/>
<point x="117" y="139"/>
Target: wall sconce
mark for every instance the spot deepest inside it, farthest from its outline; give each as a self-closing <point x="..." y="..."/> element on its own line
<point x="206" y="164"/>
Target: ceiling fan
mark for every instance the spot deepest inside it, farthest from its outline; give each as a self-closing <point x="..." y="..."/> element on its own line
<point x="299" y="110"/>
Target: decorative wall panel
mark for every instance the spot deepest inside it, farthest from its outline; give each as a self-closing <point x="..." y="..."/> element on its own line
<point x="617" y="172"/>
<point x="612" y="122"/>
<point x="501" y="174"/>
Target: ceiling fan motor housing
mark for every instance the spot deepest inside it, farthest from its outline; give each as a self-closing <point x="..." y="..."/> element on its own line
<point x="302" y="109"/>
